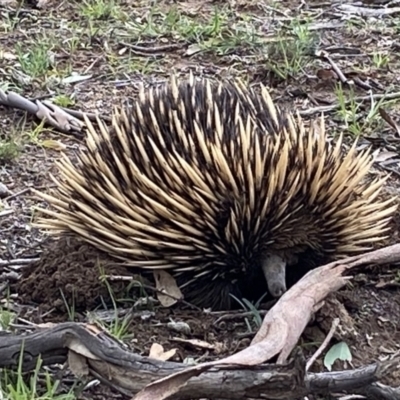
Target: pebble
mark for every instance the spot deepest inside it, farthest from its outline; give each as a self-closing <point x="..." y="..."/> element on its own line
<point x="3" y="191"/>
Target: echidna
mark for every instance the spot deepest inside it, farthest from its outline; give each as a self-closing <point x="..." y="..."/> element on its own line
<point x="215" y="183"/>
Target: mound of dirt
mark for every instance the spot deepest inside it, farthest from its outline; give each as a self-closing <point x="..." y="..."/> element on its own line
<point x="71" y="269"/>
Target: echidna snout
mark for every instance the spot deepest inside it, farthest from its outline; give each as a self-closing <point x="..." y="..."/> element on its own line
<point x="274" y="269"/>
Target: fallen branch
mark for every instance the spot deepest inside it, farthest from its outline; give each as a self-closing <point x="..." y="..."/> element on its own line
<point x="46" y="111"/>
<point x="239" y="376"/>
<point x="368" y="12"/>
<point x="89" y="350"/>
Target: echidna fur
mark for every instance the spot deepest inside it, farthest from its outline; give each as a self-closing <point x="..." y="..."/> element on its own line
<point x="212" y="181"/>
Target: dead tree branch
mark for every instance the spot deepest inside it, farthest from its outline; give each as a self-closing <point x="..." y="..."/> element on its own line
<point x="88" y="349"/>
<point x="239" y="376"/>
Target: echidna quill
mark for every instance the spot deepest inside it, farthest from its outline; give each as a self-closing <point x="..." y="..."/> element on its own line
<point x="216" y="184"/>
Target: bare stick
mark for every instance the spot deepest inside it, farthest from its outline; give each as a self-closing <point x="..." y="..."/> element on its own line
<point x="325" y="343"/>
<point x="334" y="66"/>
<point x="324" y="109"/>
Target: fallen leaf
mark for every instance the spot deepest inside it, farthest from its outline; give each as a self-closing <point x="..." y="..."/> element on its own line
<point x="157" y="352"/>
<point x="385" y="155"/>
<point x="326" y="74"/>
<point x="53" y="144"/>
<point x="193" y="49"/>
<point x="196" y="343"/>
<point x="75" y="78"/>
<point x="78" y="364"/>
<point x="166" y="283"/>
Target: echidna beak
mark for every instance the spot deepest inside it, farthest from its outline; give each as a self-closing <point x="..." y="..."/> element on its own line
<point x="274" y="268"/>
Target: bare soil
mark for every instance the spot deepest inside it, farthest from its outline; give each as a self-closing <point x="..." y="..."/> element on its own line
<point x="101" y="50"/>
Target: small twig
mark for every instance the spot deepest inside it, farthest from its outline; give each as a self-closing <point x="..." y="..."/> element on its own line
<point x="363" y="85"/>
<point x="229" y="317"/>
<point x="389" y="120"/>
<point x="79" y="114"/>
<point x="148" y="287"/>
<point x="325" y="343"/>
<point x="13" y="196"/>
<point x="18" y="261"/>
<point x="324" y="109"/>
<point x="368" y="12"/>
<point x="90" y="67"/>
<point x="153" y="50"/>
<point x="352" y="397"/>
<point x="4" y="213"/>
<point x="340" y="74"/>
<point x="335" y="67"/>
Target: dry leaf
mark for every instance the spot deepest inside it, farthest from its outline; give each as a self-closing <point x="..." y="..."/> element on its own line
<point x="385" y="155"/>
<point x="157" y="353"/>
<point x="193" y="49"/>
<point x="78" y="364"/>
<point x="53" y="144"/>
<point x="167" y="284"/>
<point x="196" y="343"/>
<point x="326" y="75"/>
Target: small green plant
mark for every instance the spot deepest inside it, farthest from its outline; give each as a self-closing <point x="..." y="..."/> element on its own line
<point x="118" y="327"/>
<point x="6" y="319"/>
<point x="225" y="37"/>
<point x="70" y="308"/>
<point x="380" y="60"/>
<point x="63" y="100"/>
<point x="291" y="52"/>
<point x="14" y="386"/>
<point x="100" y="9"/>
<point x="10" y="142"/>
<point x="9" y="150"/>
<point x="351" y="113"/>
<point x="253" y="308"/>
<point x="34" y="58"/>
<point x="223" y="32"/>
<point x="10" y="21"/>
<point x="33" y="135"/>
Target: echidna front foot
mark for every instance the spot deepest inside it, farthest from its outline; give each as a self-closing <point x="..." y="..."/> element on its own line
<point x="274" y="269"/>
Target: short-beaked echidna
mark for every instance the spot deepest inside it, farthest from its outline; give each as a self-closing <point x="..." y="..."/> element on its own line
<point x="215" y="183"/>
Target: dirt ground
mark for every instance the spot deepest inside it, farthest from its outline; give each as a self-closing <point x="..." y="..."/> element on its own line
<point x="92" y="54"/>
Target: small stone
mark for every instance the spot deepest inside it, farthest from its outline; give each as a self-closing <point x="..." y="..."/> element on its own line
<point x="3" y="191"/>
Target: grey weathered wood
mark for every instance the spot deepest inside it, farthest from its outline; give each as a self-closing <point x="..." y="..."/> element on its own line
<point x="115" y="363"/>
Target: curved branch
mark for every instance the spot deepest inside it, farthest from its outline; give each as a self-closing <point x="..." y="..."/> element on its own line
<point x="85" y="345"/>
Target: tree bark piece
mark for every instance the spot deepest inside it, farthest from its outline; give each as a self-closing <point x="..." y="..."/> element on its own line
<point x="240" y="375"/>
<point x="86" y="346"/>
